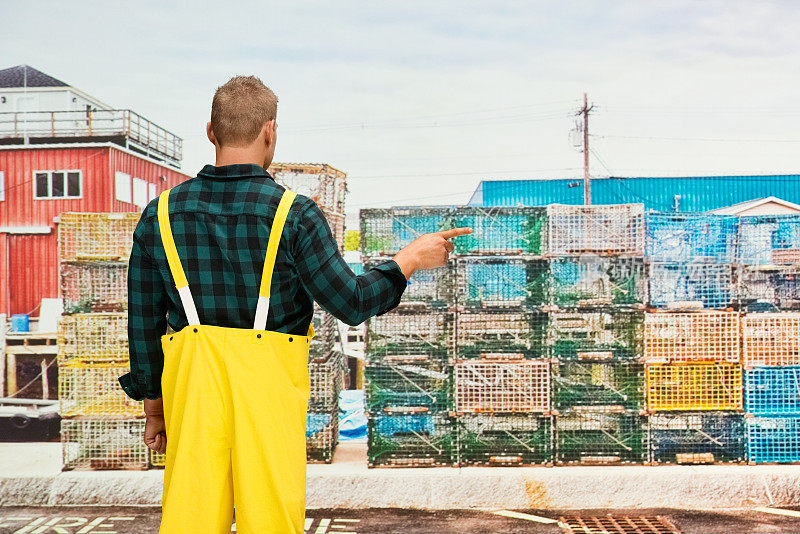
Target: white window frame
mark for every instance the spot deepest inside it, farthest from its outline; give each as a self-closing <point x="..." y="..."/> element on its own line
<point x="143" y="187"/>
<point x="3" y="186"/>
<point x="152" y="191"/>
<point x="117" y="189"/>
<point x="50" y="184"/>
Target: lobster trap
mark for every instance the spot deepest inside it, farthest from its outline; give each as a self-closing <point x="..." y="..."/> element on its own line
<point x="598" y="386"/>
<point x="93" y="337"/>
<point x="410" y="440"/>
<point x="600" y="438"/>
<point x="325" y="328"/>
<point x="399" y="388"/>
<point x="685" y="337"/>
<point x="325" y="378"/>
<point x="88" y="287"/>
<point x="614" y="229"/>
<point x="322" y="435"/>
<point x="684" y="237"/>
<point x="692" y="438"/>
<point x="771" y="339"/>
<point x="501" y="230"/>
<point x="385" y="231"/>
<point x="320" y="182"/>
<point x="407" y="336"/>
<point x="428" y="288"/>
<point x="606" y="335"/>
<point x="769" y="240"/>
<point x="773" y="439"/>
<point x="94" y="443"/>
<point x="157" y="460"/>
<point x="773" y="390"/>
<point x="776" y="286"/>
<point x="706" y="285"/>
<point x="504" y="440"/>
<point x="96" y="236"/>
<point x="693" y="386"/>
<point x="593" y="281"/>
<point x="91" y="389"/>
<point x="500" y="282"/>
<point x="495" y="334"/>
<point x="336" y="222"/>
<point x="484" y="386"/>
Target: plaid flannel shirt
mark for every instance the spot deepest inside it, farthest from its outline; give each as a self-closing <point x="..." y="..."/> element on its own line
<point x="221" y="221"/>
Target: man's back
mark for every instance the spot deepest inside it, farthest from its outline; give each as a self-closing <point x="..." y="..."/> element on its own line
<point x="221" y="222"/>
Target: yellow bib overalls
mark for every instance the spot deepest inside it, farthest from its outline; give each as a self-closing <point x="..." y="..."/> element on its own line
<point x="235" y="403"/>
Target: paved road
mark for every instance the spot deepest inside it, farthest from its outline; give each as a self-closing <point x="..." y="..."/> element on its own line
<point x="144" y="520"/>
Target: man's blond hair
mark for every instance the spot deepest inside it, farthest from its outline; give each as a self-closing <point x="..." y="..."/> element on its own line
<point x="240" y="109"/>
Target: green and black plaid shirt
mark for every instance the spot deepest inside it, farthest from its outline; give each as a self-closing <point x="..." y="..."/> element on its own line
<point x="221" y="221"/>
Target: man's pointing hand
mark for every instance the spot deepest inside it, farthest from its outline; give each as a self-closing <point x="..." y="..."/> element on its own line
<point x="428" y="251"/>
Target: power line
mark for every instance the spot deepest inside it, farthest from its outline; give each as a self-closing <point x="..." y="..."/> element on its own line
<point x="715" y="139"/>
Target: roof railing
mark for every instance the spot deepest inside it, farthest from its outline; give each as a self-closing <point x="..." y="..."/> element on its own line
<point x="101" y="123"/>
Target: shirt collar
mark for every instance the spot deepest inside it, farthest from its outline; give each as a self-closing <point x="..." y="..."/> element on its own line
<point x="237" y="171"/>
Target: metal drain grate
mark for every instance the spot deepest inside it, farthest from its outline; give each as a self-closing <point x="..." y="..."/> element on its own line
<point x="618" y="524"/>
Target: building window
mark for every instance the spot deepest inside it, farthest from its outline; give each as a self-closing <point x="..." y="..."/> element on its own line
<point x="151" y="191"/>
<point x="2" y="185"/>
<point x="139" y="192"/>
<point x="122" y="186"/>
<point x="58" y="184"/>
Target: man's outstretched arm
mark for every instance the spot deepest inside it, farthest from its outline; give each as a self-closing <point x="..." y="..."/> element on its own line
<point x="355" y="298"/>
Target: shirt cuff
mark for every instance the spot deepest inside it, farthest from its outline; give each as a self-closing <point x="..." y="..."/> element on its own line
<point x="392" y="271"/>
<point x="133" y="390"/>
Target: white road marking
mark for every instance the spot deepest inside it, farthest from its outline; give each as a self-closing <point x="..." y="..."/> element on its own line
<point x="527" y="517"/>
<point x="777" y="511"/>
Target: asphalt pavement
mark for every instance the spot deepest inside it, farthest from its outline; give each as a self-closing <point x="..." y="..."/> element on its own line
<point x="145" y="520"/>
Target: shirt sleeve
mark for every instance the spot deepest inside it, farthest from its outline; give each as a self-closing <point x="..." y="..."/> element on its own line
<point x="332" y="283"/>
<point x="147" y="321"/>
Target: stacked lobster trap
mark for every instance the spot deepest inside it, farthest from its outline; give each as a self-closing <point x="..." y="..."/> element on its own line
<point x="101" y="427"/>
<point x="692" y="339"/>
<point x="327" y="186"/>
<point x="595" y="298"/>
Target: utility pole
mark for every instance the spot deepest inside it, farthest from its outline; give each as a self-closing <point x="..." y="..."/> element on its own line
<point x="587" y="181"/>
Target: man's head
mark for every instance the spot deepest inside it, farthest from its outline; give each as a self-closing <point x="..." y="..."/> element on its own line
<point x="242" y="122"/>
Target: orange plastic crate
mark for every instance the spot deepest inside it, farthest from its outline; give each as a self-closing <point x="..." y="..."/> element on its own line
<point x="687" y="337"/>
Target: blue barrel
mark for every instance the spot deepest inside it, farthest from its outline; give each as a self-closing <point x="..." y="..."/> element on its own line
<point x="20" y="322"/>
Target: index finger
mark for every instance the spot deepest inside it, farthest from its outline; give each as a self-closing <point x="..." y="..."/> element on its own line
<point x="455" y="232"/>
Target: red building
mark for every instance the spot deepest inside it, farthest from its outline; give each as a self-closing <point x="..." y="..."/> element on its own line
<point x="62" y="150"/>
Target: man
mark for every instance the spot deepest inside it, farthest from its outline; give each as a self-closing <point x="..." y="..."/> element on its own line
<point x="226" y="393"/>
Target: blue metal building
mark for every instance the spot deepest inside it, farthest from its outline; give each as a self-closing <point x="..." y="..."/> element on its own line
<point x="691" y="193"/>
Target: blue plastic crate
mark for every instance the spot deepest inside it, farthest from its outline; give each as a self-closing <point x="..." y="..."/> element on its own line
<point x="679" y="237"/>
<point x="773" y="439"/>
<point x="773" y="390"/>
<point x="766" y="240"/>
<point x="709" y="283"/>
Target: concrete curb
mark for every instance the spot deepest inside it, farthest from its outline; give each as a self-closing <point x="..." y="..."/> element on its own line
<point x="347" y="483"/>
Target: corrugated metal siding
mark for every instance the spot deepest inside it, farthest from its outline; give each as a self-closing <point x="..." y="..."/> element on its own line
<point x="697" y="193"/>
<point x="139" y="168"/>
<point x="21" y="209"/>
<point x="33" y="271"/>
<point x="32" y="260"/>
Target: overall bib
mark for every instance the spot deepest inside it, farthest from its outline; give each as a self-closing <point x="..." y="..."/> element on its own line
<point x="235" y="403"/>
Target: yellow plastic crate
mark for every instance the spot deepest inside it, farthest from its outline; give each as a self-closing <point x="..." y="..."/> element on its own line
<point x="156" y="459"/>
<point x="694" y="386"/>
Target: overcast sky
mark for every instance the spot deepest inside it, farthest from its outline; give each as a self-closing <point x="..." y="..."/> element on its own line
<point x="419" y="101"/>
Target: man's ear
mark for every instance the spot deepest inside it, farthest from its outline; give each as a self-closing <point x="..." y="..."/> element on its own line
<point x="210" y="134"/>
<point x="266" y="131"/>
